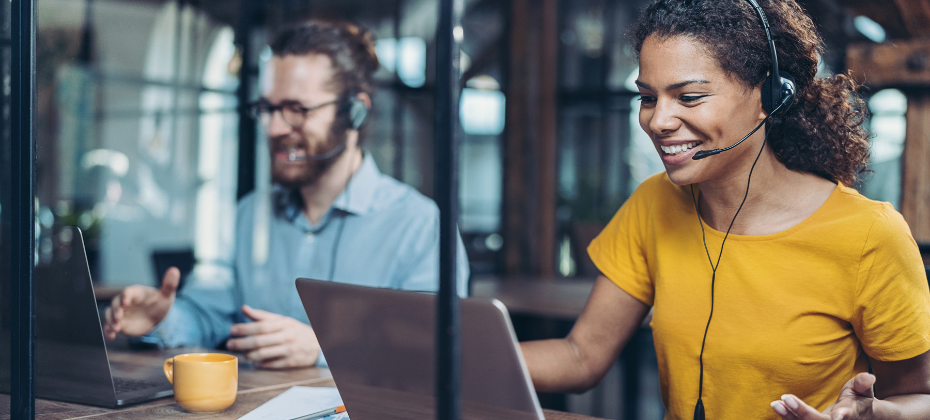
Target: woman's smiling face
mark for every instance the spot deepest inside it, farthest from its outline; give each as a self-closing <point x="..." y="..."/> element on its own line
<point x="689" y="103"/>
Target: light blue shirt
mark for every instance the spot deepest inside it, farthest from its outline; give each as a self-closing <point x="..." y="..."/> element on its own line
<point x="386" y="234"/>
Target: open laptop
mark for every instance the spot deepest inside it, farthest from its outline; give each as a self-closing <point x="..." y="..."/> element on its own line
<point x="380" y="347"/>
<point x="72" y="363"/>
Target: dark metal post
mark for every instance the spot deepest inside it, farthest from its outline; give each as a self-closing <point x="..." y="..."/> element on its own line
<point x="448" y="369"/>
<point x="246" y="177"/>
<point x="23" y="159"/>
<point x="400" y="99"/>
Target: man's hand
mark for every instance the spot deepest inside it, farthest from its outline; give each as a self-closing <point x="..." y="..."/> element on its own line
<point x="855" y="402"/>
<point x="138" y="309"/>
<point x="274" y="341"/>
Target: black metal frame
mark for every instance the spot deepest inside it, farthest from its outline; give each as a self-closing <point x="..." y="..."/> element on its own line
<point x="247" y="72"/>
<point x="23" y="159"/>
<point x="448" y="325"/>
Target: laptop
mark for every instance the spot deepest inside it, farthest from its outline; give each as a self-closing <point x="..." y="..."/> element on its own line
<point x="72" y="363"/>
<point x="380" y="347"/>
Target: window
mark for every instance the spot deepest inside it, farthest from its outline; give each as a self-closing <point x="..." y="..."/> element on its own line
<point x="888" y="126"/>
<point x="603" y="154"/>
<point x="139" y="147"/>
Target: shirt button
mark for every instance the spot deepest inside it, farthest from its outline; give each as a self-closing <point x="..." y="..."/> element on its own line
<point x="310" y="237"/>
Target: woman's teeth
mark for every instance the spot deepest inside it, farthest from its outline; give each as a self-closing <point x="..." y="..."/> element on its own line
<point x="680" y="148"/>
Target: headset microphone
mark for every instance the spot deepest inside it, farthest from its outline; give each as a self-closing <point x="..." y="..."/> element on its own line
<point x="357" y="113"/>
<point x="705" y="153"/>
<point x="327" y="155"/>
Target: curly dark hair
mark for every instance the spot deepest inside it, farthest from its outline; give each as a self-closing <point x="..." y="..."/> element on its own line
<point x="822" y="132"/>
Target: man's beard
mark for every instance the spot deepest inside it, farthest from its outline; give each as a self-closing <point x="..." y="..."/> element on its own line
<point x="304" y="170"/>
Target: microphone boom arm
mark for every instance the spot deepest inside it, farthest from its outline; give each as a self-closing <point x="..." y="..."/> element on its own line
<point x="706" y="153"/>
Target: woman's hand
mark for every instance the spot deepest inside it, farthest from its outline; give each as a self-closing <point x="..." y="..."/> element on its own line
<point x="855" y="402"/>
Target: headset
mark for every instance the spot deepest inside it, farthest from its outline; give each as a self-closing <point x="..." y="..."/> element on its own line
<point x="355" y="112"/>
<point x="778" y="91"/>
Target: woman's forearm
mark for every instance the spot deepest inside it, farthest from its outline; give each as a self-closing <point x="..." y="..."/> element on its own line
<point x="576" y="363"/>
<point x="556" y="366"/>
<point x="903" y="407"/>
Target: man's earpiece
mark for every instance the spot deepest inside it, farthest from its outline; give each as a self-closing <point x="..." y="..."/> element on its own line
<point x="358" y="113"/>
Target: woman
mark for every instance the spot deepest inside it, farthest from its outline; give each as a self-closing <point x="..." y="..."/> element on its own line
<point x="815" y="286"/>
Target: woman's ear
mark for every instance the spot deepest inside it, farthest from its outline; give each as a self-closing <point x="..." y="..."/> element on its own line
<point x="757" y="93"/>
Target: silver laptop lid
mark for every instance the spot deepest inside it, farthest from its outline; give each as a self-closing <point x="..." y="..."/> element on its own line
<point x="380" y="346"/>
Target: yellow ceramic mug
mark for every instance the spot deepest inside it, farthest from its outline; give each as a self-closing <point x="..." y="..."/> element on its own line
<point x="203" y="382"/>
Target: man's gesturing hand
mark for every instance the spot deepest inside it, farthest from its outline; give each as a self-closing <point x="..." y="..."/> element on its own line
<point x="138" y="309"/>
<point x="854" y="402"/>
<point x="274" y="341"/>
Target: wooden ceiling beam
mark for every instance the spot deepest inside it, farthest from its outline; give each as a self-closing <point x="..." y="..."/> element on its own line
<point x="916" y="16"/>
<point x="901" y="19"/>
<point x="888" y="14"/>
<point x="891" y="64"/>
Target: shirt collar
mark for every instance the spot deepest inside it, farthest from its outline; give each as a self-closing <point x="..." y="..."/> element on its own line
<point x="357" y="198"/>
<point x="359" y="195"/>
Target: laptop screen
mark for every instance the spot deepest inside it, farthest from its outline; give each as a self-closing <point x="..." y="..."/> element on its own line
<point x="380" y="346"/>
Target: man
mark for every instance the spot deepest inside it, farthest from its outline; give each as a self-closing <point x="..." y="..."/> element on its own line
<point x="332" y="215"/>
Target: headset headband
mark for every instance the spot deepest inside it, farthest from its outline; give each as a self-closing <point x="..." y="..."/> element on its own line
<point x="775" y="84"/>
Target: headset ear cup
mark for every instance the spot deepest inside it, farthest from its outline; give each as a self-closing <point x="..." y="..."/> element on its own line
<point x="771" y="101"/>
<point x="788" y="90"/>
<point x="358" y="113"/>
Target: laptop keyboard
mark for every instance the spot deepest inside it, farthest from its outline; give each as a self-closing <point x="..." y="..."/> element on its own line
<point x="124" y="385"/>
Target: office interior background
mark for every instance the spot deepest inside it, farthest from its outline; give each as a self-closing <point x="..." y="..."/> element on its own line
<point x="143" y="143"/>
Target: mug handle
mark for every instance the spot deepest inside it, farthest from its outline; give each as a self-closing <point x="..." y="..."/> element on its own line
<point x="169" y="370"/>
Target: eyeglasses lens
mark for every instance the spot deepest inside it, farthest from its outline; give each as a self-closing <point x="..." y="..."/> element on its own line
<point x="263" y="112"/>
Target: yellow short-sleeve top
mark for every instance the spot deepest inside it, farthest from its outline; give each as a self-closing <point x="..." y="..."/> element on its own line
<point x="794" y="312"/>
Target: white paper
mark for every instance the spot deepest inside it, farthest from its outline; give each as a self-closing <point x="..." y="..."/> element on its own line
<point x="297" y="401"/>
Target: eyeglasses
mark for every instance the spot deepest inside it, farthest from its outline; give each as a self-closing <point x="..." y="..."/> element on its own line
<point x="293" y="112"/>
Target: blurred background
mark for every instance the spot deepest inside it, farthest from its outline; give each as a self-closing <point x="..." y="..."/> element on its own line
<point x="142" y="142"/>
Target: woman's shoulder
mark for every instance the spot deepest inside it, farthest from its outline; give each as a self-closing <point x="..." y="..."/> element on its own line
<point x="880" y="217"/>
<point x="853" y="202"/>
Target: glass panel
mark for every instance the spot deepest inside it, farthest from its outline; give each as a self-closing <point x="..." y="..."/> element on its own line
<point x="603" y="154"/>
<point x="594" y="176"/>
<point x="594" y="51"/>
<point x="140" y="140"/>
<point x="136" y="147"/>
<point x="399" y="132"/>
<point x="386" y="137"/>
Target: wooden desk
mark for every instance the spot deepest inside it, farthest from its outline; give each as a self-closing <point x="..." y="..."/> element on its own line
<point x="255" y="388"/>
